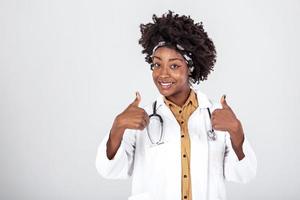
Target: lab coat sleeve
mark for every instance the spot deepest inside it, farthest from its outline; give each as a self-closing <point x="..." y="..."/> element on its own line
<point x="121" y="166"/>
<point x="237" y="170"/>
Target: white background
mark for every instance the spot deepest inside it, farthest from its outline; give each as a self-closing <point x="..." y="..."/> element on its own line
<point x="67" y="68"/>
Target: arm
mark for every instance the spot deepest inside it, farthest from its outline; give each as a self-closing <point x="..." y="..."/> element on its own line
<point x="239" y="159"/>
<point x="115" y="155"/>
<point x="115" y="159"/>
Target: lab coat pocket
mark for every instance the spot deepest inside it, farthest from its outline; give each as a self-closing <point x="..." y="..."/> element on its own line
<point x="156" y="153"/>
<point x="141" y="196"/>
<point x="159" y="158"/>
<point x="161" y="152"/>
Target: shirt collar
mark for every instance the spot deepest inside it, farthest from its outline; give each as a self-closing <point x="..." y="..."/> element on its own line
<point x="203" y="101"/>
<point x="192" y="98"/>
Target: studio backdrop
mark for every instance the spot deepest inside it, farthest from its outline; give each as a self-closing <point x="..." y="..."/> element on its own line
<point x="67" y="68"/>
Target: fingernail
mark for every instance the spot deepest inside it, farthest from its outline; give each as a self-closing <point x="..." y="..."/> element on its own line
<point x="224" y="96"/>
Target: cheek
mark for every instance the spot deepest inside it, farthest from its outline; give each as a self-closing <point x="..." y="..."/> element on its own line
<point x="181" y="76"/>
<point x="154" y="77"/>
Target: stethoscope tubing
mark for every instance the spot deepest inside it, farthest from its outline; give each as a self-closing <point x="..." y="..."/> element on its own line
<point x="210" y="133"/>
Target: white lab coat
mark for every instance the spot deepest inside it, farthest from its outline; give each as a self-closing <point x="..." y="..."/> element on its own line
<point x="156" y="171"/>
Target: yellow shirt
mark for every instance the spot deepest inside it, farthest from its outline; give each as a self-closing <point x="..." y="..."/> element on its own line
<point x="182" y="115"/>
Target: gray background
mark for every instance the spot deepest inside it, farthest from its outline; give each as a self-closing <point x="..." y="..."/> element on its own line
<point x="67" y="68"/>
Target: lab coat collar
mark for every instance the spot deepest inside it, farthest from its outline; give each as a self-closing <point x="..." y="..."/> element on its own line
<point x="203" y="101"/>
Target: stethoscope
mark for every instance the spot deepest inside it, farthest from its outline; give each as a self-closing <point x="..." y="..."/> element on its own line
<point x="210" y="133"/>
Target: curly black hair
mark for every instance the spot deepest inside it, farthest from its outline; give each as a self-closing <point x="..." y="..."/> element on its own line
<point x="175" y="29"/>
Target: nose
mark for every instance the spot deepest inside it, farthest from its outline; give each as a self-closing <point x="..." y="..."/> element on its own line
<point x="164" y="71"/>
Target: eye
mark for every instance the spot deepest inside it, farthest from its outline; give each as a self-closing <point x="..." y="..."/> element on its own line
<point x="154" y="66"/>
<point x="174" y="66"/>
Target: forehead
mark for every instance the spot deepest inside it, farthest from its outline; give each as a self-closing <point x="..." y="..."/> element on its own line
<point x="167" y="53"/>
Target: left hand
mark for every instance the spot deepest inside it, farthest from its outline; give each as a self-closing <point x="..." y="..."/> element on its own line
<point x="224" y="119"/>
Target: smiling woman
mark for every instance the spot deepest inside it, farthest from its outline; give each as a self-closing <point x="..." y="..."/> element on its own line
<point x="196" y="150"/>
<point x="185" y="36"/>
<point x="170" y="75"/>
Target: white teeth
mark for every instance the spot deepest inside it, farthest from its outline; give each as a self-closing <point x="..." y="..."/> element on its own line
<point x="165" y="84"/>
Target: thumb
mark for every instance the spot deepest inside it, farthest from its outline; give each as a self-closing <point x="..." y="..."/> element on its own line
<point x="223" y="102"/>
<point x="137" y="99"/>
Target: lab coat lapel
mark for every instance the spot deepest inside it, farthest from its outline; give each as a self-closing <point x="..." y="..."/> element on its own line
<point x="164" y="108"/>
<point x="204" y="103"/>
<point x="203" y="154"/>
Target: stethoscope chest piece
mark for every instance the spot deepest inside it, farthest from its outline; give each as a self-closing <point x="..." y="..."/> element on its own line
<point x="211" y="135"/>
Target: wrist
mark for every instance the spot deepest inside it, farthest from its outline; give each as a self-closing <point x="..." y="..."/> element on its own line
<point x="237" y="142"/>
<point x="117" y="129"/>
<point x="239" y="152"/>
<point x="116" y="132"/>
<point x="118" y="124"/>
<point x="236" y="127"/>
<point x="237" y="135"/>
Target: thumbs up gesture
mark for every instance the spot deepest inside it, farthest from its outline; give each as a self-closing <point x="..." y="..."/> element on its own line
<point x="133" y="117"/>
<point x="137" y="100"/>
<point x="224" y="119"/>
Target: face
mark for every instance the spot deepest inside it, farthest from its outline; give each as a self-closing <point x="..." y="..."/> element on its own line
<point x="170" y="73"/>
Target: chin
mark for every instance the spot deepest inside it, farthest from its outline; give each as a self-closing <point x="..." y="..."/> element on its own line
<point x="166" y="93"/>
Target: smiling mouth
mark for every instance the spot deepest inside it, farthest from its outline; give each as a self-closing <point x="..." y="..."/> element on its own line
<point x="165" y="85"/>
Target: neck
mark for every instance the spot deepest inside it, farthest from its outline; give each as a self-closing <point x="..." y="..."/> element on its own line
<point x="180" y="98"/>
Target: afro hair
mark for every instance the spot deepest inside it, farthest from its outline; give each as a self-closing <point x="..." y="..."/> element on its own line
<point x="175" y="29"/>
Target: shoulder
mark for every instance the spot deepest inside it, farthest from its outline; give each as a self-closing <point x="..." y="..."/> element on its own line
<point x="205" y="102"/>
<point x="148" y="107"/>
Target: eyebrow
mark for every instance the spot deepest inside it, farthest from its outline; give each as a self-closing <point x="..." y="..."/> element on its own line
<point x="171" y="59"/>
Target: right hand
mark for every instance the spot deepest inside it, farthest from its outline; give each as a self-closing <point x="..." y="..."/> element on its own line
<point x="132" y="117"/>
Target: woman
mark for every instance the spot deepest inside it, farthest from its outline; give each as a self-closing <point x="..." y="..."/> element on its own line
<point x="197" y="144"/>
